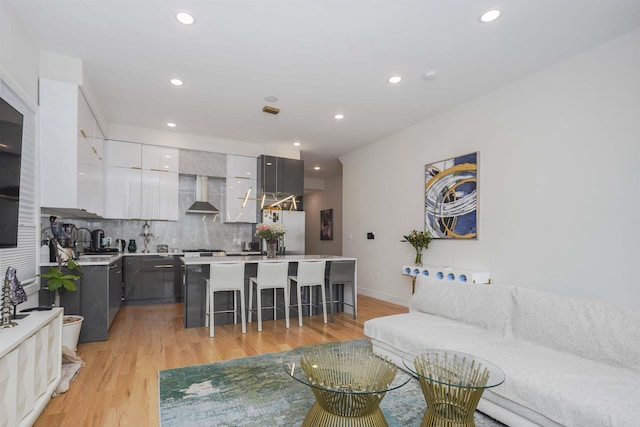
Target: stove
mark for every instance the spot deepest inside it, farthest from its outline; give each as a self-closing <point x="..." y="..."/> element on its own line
<point x="195" y="253"/>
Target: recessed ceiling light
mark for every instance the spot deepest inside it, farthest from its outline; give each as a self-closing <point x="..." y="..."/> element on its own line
<point x="297" y="144"/>
<point x="317" y="168"/>
<point x="395" y="79"/>
<point x="490" y="15"/>
<point x="176" y="82"/>
<point x="185" y="17"/>
<point x="171" y="124"/>
<point x="339" y="116"/>
<point x="271" y="98"/>
<point x="167" y="156"/>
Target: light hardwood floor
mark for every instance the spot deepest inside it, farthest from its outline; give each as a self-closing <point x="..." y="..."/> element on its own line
<point x="119" y="384"/>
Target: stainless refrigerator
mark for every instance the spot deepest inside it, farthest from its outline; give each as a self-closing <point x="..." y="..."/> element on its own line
<point x="293" y="241"/>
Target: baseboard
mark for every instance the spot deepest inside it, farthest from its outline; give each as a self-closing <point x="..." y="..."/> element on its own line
<point x="384" y="296"/>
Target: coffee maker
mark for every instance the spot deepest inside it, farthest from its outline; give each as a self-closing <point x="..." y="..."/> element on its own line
<point x="97" y="238"/>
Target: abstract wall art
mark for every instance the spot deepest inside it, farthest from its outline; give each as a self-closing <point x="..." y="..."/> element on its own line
<point x="326" y="224"/>
<point x="451" y="198"/>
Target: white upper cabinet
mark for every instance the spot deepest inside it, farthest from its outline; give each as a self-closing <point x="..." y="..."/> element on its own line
<point x="242" y="167"/>
<point x="123" y="193"/>
<point x="90" y="137"/>
<point x="71" y="147"/>
<point x="160" y="158"/>
<point x="142" y="181"/>
<point x="241" y="185"/>
<point x="122" y="154"/>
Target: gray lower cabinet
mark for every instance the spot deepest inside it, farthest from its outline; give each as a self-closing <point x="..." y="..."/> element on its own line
<point x="98" y="299"/>
<point x="152" y="278"/>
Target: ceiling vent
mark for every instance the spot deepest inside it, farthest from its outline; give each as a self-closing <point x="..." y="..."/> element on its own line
<point x="202" y="205"/>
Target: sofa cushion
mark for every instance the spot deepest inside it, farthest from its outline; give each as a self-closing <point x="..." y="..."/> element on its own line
<point x="486" y="306"/>
<point x="595" y="330"/>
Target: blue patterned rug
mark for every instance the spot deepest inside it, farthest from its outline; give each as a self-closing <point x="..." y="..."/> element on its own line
<point x="256" y="391"/>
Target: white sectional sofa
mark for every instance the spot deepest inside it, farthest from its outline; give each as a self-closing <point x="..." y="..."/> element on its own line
<point x="567" y="361"/>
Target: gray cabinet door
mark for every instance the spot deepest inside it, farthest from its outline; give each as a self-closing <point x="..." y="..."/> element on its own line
<point x="132" y="277"/>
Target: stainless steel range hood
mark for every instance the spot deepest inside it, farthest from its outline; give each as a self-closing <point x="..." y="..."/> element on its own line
<point x="202" y="205"/>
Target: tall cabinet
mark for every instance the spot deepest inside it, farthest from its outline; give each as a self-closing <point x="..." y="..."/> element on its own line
<point x="71" y="150"/>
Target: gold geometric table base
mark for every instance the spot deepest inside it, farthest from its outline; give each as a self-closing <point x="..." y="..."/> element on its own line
<point x="348" y="387"/>
<point x="320" y="417"/>
<point x="448" y="406"/>
<point x="453" y="399"/>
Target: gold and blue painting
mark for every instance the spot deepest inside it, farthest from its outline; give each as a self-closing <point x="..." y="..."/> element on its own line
<point x="451" y="198"/>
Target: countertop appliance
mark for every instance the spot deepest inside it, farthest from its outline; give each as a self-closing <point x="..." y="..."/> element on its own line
<point x="192" y="253"/>
<point x="97" y="237"/>
<point x="293" y="240"/>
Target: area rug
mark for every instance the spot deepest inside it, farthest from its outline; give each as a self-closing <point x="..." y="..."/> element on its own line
<point x="256" y="391"/>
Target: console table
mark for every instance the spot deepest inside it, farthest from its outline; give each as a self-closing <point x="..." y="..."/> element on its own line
<point x="30" y="366"/>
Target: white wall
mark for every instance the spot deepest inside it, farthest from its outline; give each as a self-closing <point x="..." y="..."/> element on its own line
<point x="314" y="202"/>
<point x="558" y="183"/>
<point x="18" y="55"/>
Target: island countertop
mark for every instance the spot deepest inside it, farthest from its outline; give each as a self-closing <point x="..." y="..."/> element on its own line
<point x="261" y="258"/>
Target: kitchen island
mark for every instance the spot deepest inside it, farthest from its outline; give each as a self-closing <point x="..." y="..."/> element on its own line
<point x="195" y="270"/>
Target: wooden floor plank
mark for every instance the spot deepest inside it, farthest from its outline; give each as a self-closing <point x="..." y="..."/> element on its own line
<point x="118" y="386"/>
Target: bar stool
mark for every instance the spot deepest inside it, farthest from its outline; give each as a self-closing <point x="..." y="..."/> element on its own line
<point x="226" y="278"/>
<point x="310" y="274"/>
<point x="341" y="273"/>
<point x="271" y="275"/>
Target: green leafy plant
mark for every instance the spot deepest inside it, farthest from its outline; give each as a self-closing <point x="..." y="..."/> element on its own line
<point x="58" y="281"/>
<point x="419" y="239"/>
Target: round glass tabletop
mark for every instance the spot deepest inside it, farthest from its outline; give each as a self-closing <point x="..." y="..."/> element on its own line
<point x="344" y="368"/>
<point x="453" y="368"/>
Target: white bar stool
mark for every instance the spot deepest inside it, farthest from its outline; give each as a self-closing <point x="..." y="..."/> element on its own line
<point x="310" y="274"/>
<point x="226" y="278"/>
<point x="341" y="273"/>
<point x="271" y="275"/>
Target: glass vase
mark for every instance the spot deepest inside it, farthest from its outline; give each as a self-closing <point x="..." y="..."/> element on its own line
<point x="418" y="261"/>
<point x="272" y="246"/>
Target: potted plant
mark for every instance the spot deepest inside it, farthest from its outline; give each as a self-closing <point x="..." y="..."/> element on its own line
<point x="59" y="282"/>
<point x="419" y="240"/>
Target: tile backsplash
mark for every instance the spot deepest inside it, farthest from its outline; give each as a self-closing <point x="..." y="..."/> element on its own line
<point x="191" y="231"/>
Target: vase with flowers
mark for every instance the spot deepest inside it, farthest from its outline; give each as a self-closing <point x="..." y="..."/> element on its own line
<point x="419" y="240"/>
<point x="271" y="233"/>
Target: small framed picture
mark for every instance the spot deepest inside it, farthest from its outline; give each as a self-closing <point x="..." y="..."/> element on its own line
<point x="326" y="224"/>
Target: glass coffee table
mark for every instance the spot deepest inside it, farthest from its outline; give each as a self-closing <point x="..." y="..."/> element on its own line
<point x="348" y="383"/>
<point x="452" y="383"/>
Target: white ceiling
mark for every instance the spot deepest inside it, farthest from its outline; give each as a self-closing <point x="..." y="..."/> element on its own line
<point x="319" y="57"/>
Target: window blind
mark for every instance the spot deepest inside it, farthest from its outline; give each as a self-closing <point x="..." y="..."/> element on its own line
<point x="24" y="256"/>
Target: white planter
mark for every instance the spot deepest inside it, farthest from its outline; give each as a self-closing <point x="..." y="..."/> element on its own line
<point x="71" y="326"/>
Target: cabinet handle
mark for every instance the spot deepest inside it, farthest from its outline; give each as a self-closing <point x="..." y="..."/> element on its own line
<point x="241" y="177"/>
<point x="159" y="170"/>
<point x="164" y="266"/>
<point x="136" y="167"/>
<point x="83" y="133"/>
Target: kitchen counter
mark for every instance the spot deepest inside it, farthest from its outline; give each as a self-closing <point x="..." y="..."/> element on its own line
<point x="196" y="271"/>
<point x="107" y="258"/>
